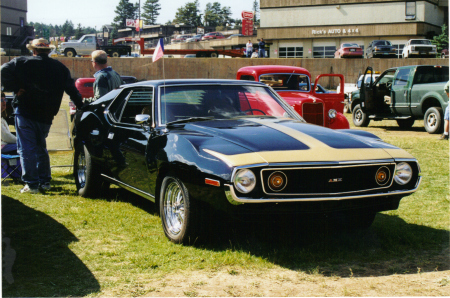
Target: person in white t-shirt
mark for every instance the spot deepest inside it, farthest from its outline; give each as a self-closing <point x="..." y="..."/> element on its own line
<point x="249" y="48"/>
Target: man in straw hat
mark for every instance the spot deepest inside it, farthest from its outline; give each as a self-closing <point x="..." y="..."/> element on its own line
<point x="38" y="83"/>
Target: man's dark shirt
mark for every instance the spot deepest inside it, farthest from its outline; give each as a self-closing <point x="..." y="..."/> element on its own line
<point x="44" y="81"/>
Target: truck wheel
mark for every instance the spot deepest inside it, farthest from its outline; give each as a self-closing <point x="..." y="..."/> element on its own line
<point x="433" y="120"/>
<point x="70" y="53"/>
<point x="214" y="55"/>
<point x="360" y="119"/>
<point x="115" y="54"/>
<point x="405" y="123"/>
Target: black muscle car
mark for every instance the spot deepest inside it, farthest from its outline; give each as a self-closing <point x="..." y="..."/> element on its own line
<point x="234" y="146"/>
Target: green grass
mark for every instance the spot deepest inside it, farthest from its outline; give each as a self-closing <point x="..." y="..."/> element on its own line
<point x="71" y="246"/>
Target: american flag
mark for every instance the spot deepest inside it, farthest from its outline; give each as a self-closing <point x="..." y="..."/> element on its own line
<point x="159" y="50"/>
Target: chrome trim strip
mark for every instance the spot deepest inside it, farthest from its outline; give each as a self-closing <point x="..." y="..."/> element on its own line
<point x="131" y="188"/>
<point x="235" y="200"/>
<point x="343" y="166"/>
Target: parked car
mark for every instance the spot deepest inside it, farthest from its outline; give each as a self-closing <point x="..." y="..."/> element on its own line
<point x="181" y="38"/>
<point x="381" y="49"/>
<point x="89" y="43"/>
<point x="213" y="35"/>
<point x="444" y="53"/>
<point x="195" y="38"/>
<point x="419" y="48"/>
<point x="199" y="147"/>
<point x="350" y="87"/>
<point x="404" y="94"/>
<point x="190" y="56"/>
<point x="324" y="109"/>
<point x="349" y="50"/>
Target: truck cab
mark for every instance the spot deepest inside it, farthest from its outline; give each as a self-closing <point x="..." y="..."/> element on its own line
<point x="84" y="46"/>
<point x="294" y="85"/>
<point x="403" y="94"/>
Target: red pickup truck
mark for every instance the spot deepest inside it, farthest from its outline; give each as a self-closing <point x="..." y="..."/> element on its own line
<point x="294" y="85"/>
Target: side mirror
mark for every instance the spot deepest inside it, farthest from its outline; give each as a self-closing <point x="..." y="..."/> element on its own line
<point x="142" y="119"/>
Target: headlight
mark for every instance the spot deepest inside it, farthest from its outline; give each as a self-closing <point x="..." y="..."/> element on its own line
<point x="245" y="180"/>
<point x="382" y="176"/>
<point x="403" y="173"/>
<point x="332" y="113"/>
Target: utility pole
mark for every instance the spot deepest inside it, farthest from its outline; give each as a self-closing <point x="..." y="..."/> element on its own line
<point x="140" y="29"/>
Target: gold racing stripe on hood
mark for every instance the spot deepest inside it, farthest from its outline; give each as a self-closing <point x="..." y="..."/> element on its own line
<point x="318" y="151"/>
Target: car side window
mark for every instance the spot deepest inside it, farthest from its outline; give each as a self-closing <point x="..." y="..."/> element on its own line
<point x="138" y="102"/>
<point x="402" y="77"/>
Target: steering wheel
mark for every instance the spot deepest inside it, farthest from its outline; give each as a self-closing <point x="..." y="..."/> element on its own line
<point x="250" y="110"/>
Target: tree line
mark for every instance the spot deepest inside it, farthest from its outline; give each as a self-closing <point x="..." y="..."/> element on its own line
<point x="213" y="15"/>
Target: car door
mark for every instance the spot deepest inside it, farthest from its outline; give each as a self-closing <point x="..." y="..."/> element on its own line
<point x="332" y="100"/>
<point x="400" y="104"/>
<point x="127" y="141"/>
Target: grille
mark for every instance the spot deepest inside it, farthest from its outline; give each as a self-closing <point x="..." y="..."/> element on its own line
<point x="313" y="113"/>
<point x="423" y="48"/>
<point x="329" y="180"/>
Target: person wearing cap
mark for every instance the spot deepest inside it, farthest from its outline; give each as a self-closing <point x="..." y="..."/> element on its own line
<point x="38" y="83"/>
<point x="446" y="116"/>
<point x="106" y="79"/>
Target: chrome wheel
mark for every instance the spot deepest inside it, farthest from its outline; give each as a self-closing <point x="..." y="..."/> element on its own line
<point x="81" y="169"/>
<point x="174" y="211"/>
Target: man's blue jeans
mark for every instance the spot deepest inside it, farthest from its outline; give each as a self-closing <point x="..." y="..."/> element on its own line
<point x="32" y="148"/>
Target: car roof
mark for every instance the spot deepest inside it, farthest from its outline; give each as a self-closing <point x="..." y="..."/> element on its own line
<point x="265" y="69"/>
<point x="172" y="82"/>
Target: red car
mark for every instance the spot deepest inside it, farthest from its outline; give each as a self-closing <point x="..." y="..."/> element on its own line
<point x="349" y="50"/>
<point x="213" y="35"/>
<point x="293" y="85"/>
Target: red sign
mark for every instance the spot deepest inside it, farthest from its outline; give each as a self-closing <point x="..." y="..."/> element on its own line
<point x="247" y="14"/>
<point x="247" y="27"/>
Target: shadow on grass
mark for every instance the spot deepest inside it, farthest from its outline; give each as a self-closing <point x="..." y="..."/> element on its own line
<point x="42" y="263"/>
<point x="396" y="128"/>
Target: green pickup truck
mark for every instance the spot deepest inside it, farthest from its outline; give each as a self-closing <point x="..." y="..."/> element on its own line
<point x="403" y="94"/>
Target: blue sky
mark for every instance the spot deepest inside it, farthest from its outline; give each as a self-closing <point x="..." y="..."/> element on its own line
<point x="100" y="12"/>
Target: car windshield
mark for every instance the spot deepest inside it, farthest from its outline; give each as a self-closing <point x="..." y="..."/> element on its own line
<point x="286" y="82"/>
<point x="420" y="41"/>
<point x="382" y="43"/>
<point x="349" y="45"/>
<point x="219" y="102"/>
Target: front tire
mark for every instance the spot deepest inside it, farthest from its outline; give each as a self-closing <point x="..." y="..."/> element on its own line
<point x="179" y="217"/>
<point x="433" y="120"/>
<point x="406" y="123"/>
<point x="87" y="176"/>
<point x="360" y="119"/>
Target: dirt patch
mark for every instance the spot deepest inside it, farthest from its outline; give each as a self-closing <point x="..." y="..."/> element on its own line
<point x="287" y="283"/>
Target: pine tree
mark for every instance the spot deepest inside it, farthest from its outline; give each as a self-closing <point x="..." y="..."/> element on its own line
<point x="441" y="41"/>
<point x="124" y="10"/>
<point x="151" y="11"/>
<point x="188" y="14"/>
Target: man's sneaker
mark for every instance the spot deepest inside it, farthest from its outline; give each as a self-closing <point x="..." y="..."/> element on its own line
<point x="443" y="137"/>
<point x="27" y="189"/>
<point x="46" y="186"/>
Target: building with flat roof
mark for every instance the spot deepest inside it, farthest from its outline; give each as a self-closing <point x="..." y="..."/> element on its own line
<point x="14" y="31"/>
<point x="316" y="28"/>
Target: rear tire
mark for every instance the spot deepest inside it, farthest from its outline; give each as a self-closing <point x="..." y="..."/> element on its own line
<point x="360" y="119"/>
<point x="115" y="54"/>
<point x="433" y="120"/>
<point x="406" y="123"/>
<point x="87" y="176"/>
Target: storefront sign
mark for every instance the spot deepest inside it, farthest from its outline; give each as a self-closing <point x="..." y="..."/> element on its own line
<point x="335" y="31"/>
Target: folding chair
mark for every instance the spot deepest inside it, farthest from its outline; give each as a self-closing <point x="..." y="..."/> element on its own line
<point x="11" y="167"/>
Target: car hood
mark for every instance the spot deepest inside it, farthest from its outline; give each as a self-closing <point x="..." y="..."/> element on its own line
<point x="261" y="140"/>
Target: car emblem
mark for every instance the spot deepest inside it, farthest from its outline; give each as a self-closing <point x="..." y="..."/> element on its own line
<point x="335" y="180"/>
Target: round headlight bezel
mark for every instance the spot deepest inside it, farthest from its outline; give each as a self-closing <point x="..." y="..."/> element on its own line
<point x="387" y="177"/>
<point x="332" y="113"/>
<point x="244" y="180"/>
<point x="403" y="173"/>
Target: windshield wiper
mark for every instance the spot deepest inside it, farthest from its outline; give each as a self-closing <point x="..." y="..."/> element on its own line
<point x="191" y="119"/>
